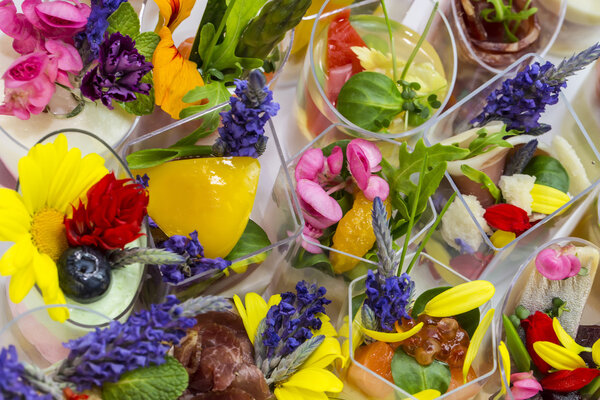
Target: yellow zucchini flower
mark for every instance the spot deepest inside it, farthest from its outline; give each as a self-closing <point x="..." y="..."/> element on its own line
<point x="52" y="178"/>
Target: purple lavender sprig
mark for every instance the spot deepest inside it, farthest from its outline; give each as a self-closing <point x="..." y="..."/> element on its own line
<point x="88" y="42"/>
<point x="242" y="133"/>
<point x="144" y="340"/>
<point x="119" y="72"/>
<point x="520" y="102"/>
<point x="15" y="381"/>
<point x="195" y="262"/>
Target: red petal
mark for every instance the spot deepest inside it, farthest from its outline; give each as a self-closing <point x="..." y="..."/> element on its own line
<point x="538" y="327"/>
<point x="569" y="381"/>
<point x="508" y="218"/>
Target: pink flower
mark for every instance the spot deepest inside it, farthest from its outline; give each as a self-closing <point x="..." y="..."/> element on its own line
<point x="524" y="385"/>
<point x="65" y="59"/>
<point x="320" y="210"/>
<point x="57" y="19"/>
<point x="558" y="264"/>
<point x="363" y="160"/>
<point x="28" y="85"/>
<point x="313" y="234"/>
<point x="26" y="38"/>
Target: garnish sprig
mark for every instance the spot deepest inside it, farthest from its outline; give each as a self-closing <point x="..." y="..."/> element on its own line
<point x="504" y="14"/>
<point x="415" y="50"/>
<point x="391" y="35"/>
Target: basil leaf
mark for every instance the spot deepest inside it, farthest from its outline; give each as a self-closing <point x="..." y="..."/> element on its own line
<point x="468" y="321"/>
<point x="548" y="171"/>
<point x="413" y="377"/>
<point x="253" y="239"/>
<point x="213" y="15"/>
<point x="515" y="346"/>
<point x="480" y="177"/>
<point x="370" y="100"/>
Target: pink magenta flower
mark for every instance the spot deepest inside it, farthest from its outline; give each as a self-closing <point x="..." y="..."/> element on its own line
<point x="524" y="385"/>
<point x="28" y="85"/>
<point x="558" y="264"/>
<point x="364" y="158"/>
<point x="57" y="19"/>
<point x="66" y="59"/>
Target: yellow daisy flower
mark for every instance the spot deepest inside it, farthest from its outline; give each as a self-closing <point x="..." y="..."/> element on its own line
<point x="312" y="380"/>
<point x="51" y="177"/>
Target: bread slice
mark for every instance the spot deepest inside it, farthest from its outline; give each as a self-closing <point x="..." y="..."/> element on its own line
<point x="539" y="290"/>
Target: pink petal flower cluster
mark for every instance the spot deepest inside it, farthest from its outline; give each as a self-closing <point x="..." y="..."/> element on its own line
<point x="317" y="177"/>
<point x="558" y="264"/>
<point x="524" y="385"/>
<point x="43" y="35"/>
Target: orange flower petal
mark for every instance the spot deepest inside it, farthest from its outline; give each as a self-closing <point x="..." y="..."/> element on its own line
<point x="173" y="12"/>
<point x="174" y="76"/>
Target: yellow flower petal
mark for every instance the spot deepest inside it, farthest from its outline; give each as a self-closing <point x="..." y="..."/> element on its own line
<point x="547" y="199"/>
<point x="392" y="337"/>
<point x="174" y="76"/>
<point x="327" y="328"/>
<point x="14" y="217"/>
<point x="46" y="275"/>
<point x="565" y="339"/>
<point x="427" y="394"/>
<point x="315" y="379"/>
<point x="328" y="352"/>
<point x="292" y="393"/>
<point x="596" y="352"/>
<point x="476" y="341"/>
<point x="60" y="314"/>
<point x="273" y="301"/>
<point x="503" y="350"/>
<point x="558" y="357"/>
<point x="17" y="257"/>
<point x="173" y="12"/>
<point x="33" y="184"/>
<point x="502" y="238"/>
<point x="20" y="284"/>
<point x="255" y="311"/>
<point x="460" y="299"/>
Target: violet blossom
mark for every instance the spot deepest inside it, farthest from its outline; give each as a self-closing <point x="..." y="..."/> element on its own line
<point x="97" y="24"/>
<point x="558" y="264"/>
<point x="318" y="177"/>
<point x="119" y="72"/>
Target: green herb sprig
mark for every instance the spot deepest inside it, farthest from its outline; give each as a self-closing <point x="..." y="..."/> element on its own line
<point x="511" y="20"/>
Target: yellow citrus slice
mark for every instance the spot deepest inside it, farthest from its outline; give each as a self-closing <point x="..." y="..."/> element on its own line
<point x="212" y="195"/>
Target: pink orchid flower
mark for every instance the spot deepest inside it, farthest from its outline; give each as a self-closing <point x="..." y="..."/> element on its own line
<point x="558" y="264"/>
<point x="28" y="85"/>
<point x="524" y="385"/>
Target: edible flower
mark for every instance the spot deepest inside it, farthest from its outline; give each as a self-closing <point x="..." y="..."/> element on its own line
<point x="475" y="342"/>
<point x="389" y="298"/>
<point x="501" y="238"/>
<point x="566" y="339"/>
<point x="293" y="342"/>
<point x="13" y="381"/>
<point x="505" y="362"/>
<point x="243" y="129"/>
<point x="96" y="26"/>
<point x="557" y="356"/>
<point x="119" y="72"/>
<point x="173" y="12"/>
<point x="557" y="264"/>
<point x="566" y="381"/>
<point x="546" y="199"/>
<point x="524" y="386"/>
<point x="596" y="352"/>
<point x="393" y="337"/>
<point x="460" y="299"/>
<point x="52" y="177"/>
<point x="538" y="327"/>
<point x="507" y="217"/>
<point x="173" y="75"/>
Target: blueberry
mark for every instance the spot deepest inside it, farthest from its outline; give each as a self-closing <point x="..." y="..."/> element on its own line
<point x="84" y="274"/>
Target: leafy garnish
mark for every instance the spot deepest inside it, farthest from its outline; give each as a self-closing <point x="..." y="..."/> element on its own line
<point x="413" y="377"/>
<point x="548" y="171"/>
<point x="515" y="346"/>
<point x="520" y="158"/>
<point x="481" y="177"/>
<point x="484" y="142"/>
<point x="253" y="239"/>
<point x="511" y="20"/>
<point x="152" y="157"/>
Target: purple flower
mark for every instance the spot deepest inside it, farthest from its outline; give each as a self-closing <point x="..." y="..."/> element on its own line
<point x="144" y="340"/>
<point x="13" y="384"/>
<point x="118" y="73"/>
<point x="195" y="264"/>
<point x="388" y="298"/>
<point x="290" y="323"/>
<point x="96" y="26"/>
<point x="242" y="133"/>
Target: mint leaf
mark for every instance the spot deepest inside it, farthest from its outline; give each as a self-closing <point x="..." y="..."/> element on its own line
<point x="124" y="20"/>
<point x="145" y="43"/>
<point x="158" y="382"/>
<point x="144" y="103"/>
<point x="481" y="177"/>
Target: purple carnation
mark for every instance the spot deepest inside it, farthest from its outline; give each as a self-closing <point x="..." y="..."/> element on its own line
<point x="119" y="72"/>
<point x="13" y="384"/>
<point x="389" y="298"/>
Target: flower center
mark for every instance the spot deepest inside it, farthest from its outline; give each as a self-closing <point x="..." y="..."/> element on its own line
<point x="48" y="232"/>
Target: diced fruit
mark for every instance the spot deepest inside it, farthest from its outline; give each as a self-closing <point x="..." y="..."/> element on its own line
<point x="456" y="380"/>
<point x="354" y="234"/>
<point x="84" y="274"/>
<point x="376" y="357"/>
<point x="340" y="38"/>
<point x="213" y="196"/>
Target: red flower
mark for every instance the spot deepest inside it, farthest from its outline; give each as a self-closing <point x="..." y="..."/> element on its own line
<point x="569" y="381"/>
<point x="507" y="217"/>
<point x="71" y="395"/>
<point x="112" y="216"/>
<point x="538" y="327"/>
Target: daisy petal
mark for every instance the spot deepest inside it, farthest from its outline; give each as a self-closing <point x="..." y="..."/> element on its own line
<point x="46" y="275"/>
<point x="565" y="339"/>
<point x="15" y="220"/>
<point x="325" y="354"/>
<point x="17" y="257"/>
<point x="476" y="340"/>
<point x="505" y="356"/>
<point x="393" y="337"/>
<point x="558" y="357"/>
<point x="20" y="284"/>
<point x="60" y="314"/>
<point x="252" y="313"/>
<point x="596" y="352"/>
<point x="315" y="379"/>
<point x="291" y="393"/>
<point x="34" y="185"/>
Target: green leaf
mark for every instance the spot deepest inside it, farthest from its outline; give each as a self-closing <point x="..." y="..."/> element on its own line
<point x="548" y="171"/>
<point x="213" y="14"/>
<point x="468" y="321"/>
<point x="591" y="390"/>
<point x="319" y="261"/>
<point x="480" y="177"/>
<point x="158" y="382"/>
<point x="216" y="93"/>
<point x="144" y="103"/>
<point x="369" y="100"/>
<point x="413" y="377"/>
<point x="484" y="143"/>
<point x="152" y="157"/>
<point x="254" y="238"/>
<point x="206" y="36"/>
<point x="357" y="301"/>
<point x="146" y="43"/>
<point x="515" y="345"/>
<point x="124" y="20"/>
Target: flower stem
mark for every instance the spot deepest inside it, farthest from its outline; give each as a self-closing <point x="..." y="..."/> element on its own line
<point x="337" y="187"/>
<point x="391" y="34"/>
<point x="213" y="42"/>
<point x="430" y="233"/>
<point x="420" y="42"/>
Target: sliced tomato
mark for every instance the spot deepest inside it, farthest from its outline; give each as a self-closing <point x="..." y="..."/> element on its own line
<point x="341" y="36"/>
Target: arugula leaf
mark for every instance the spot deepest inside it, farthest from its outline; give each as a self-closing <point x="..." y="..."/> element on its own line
<point x="370" y="100"/>
<point x="152" y="157"/>
<point x="216" y="93"/>
<point x="124" y="20"/>
<point x="146" y="43"/>
<point x="484" y="143"/>
<point x="213" y="14"/>
<point x="144" y="103"/>
<point x="480" y="177"/>
<point x="167" y="381"/>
